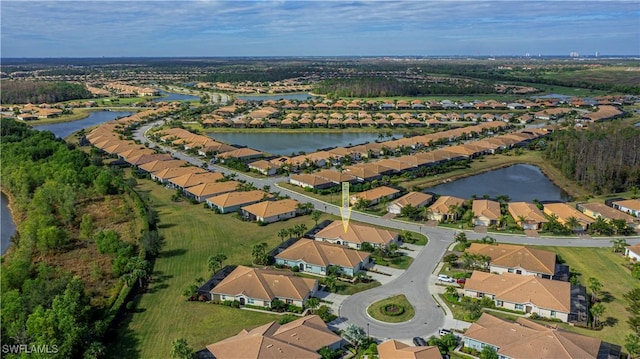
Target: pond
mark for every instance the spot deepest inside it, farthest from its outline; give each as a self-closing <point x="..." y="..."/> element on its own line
<point x="7" y="228"/>
<point x="286" y="143"/>
<point x="64" y="129"/>
<point x="276" y="97"/>
<point x="172" y="96"/>
<point x="520" y="182"/>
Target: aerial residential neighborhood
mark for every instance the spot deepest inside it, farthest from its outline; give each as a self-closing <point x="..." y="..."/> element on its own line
<point x="326" y="180"/>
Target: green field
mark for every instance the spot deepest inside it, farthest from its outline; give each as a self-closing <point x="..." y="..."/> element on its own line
<point x="192" y="234"/>
<point x="406" y="311"/>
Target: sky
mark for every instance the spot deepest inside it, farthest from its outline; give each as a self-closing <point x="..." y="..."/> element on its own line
<point x="318" y="28"/>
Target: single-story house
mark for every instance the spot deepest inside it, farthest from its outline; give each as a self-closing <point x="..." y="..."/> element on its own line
<point x="524" y="339"/>
<point x="440" y="210"/>
<point x="486" y="212"/>
<point x="415" y="199"/>
<point x="233" y="201"/>
<point x="302" y="338"/>
<point x="393" y="349"/>
<point x="159" y="165"/>
<point x="271" y="211"/>
<point x="243" y="154"/>
<point x="164" y="175"/>
<point x="260" y="287"/>
<point x="310" y="181"/>
<point x="356" y="235"/>
<point x="595" y="210"/>
<point x="527" y="215"/>
<point x="194" y="179"/>
<point x="564" y="212"/>
<point x="264" y="167"/>
<point x="632" y="252"/>
<point x="509" y="258"/>
<point x="314" y="257"/>
<point x="203" y="191"/>
<point x="375" y="195"/>
<point x="530" y="294"/>
<point x="630" y="206"/>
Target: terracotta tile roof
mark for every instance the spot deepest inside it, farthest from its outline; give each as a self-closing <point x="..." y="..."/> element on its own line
<point x="633" y="204"/>
<point x="393" y="349"/>
<point x="544" y="293"/>
<point x="265" y="284"/>
<point x="158" y="165"/>
<point x="240" y="152"/>
<point x="441" y="205"/>
<point x="267" y="209"/>
<point x="335" y="176"/>
<point x="374" y="194"/>
<point x="526" y="339"/>
<point x="301" y="339"/>
<point x="415" y="199"/>
<point x="608" y="212"/>
<point x="564" y="212"/>
<point x="529" y="211"/>
<point x="193" y="179"/>
<point x="212" y="188"/>
<point x="357" y="233"/>
<point x="323" y="254"/>
<point x="173" y="172"/>
<point x="486" y="208"/>
<point x="231" y="199"/>
<point x="310" y="179"/>
<point x="142" y="159"/>
<point x="513" y="256"/>
<point x="395" y="164"/>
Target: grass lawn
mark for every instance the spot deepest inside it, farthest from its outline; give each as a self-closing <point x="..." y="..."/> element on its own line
<point x="607" y="267"/>
<point x="350" y="289"/>
<point x="401" y="262"/>
<point x="457" y="310"/>
<point x="192" y="234"/>
<point x="406" y="310"/>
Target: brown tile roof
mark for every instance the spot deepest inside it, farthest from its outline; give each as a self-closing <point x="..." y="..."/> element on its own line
<point x="158" y="165"/>
<point x="193" y="179"/>
<point x="521" y="289"/>
<point x="526" y="339"/>
<point x="272" y="208"/>
<point x="301" y="339"/>
<point x="564" y="212"/>
<point x="265" y="284"/>
<point x="238" y="198"/>
<point x="513" y="256"/>
<point x="323" y="254"/>
<point x="335" y="176"/>
<point x="357" y="233"/>
<point x="393" y="349"/>
<point x="629" y="203"/>
<point x="142" y="159"/>
<point x="212" y="188"/>
<point x="486" y="208"/>
<point x="240" y="152"/>
<point x="310" y="179"/>
<point x="608" y="212"/>
<point x="529" y="211"/>
<point x="173" y="172"/>
<point x="375" y="193"/>
<point x="441" y="205"/>
<point x="415" y="199"/>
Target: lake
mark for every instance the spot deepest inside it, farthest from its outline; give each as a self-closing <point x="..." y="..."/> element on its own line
<point x="7" y="228"/>
<point x="520" y="182"/>
<point x="64" y="129"/>
<point x="287" y="96"/>
<point x="172" y="96"/>
<point x="286" y="143"/>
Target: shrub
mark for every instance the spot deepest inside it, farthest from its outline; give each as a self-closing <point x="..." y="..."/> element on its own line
<point x="295" y="269"/>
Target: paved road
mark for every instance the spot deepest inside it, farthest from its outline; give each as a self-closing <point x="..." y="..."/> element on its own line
<point x="415" y="281"/>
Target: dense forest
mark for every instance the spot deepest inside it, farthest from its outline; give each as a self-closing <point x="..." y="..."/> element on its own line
<point x="384" y="87"/>
<point x="36" y="92"/>
<point x="84" y="243"/>
<point x="604" y="159"/>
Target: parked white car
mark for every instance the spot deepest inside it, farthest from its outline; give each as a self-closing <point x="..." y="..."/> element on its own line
<point x="445" y="278"/>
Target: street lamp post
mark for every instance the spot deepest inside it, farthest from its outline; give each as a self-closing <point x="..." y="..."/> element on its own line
<point x="368" y="336"/>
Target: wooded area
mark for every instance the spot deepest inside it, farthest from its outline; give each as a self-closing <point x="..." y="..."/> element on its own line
<point x="76" y="258"/>
<point x="604" y="158"/>
<point x="36" y="92"/>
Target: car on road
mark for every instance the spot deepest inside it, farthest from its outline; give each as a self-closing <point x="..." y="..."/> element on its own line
<point x="445" y="278"/>
<point x="419" y="342"/>
<point x="461" y="281"/>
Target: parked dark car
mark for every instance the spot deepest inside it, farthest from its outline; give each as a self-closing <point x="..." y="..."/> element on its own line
<point x="419" y="342"/>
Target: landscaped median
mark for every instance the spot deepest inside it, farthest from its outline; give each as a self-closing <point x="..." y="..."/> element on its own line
<point x="396" y="309"/>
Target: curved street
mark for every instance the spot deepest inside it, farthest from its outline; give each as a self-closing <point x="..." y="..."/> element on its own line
<point x="416" y="281"/>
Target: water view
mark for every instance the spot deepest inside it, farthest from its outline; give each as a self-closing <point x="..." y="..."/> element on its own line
<point x="7" y="227"/>
<point x="290" y="96"/>
<point x="286" y="143"/>
<point x="172" y="96"/>
<point x="520" y="182"/>
<point x="64" y="129"/>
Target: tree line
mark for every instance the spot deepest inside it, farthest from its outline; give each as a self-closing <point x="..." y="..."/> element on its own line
<point x="36" y="92"/>
<point x="605" y="158"/>
<point x="44" y="301"/>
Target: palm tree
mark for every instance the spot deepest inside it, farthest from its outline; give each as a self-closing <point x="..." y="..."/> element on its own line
<point x="283" y="233"/>
<point x="572" y="223"/>
<point x="596" y="310"/>
<point x="315" y="215"/>
<point x="594" y="286"/>
<point x="619" y="245"/>
<point x="180" y="349"/>
<point x="312" y="303"/>
<point x="216" y="260"/>
<point x="521" y="220"/>
<point x="330" y="283"/>
<point x="453" y="212"/>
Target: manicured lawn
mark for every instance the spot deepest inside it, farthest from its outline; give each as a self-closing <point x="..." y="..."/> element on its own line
<point x="402" y="262"/>
<point x="192" y="234"/>
<point x="350" y="289"/>
<point x="404" y="309"/>
<point x="608" y="268"/>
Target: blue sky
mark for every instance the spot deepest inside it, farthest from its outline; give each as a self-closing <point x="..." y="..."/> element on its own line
<point x="317" y="28"/>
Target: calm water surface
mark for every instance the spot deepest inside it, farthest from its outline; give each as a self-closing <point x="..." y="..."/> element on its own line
<point x="286" y="143"/>
<point x="6" y="222"/>
<point x="519" y="182"/>
<point x="172" y="96"/>
<point x="64" y="129"/>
